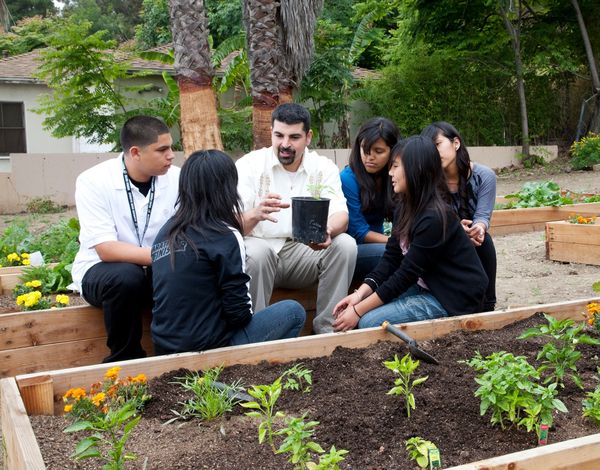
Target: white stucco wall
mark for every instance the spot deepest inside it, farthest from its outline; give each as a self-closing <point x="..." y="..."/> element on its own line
<point x="38" y="140"/>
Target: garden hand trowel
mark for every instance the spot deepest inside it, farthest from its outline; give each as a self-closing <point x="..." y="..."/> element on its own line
<point x="412" y="344"/>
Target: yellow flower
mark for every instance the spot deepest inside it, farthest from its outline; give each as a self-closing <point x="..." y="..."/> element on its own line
<point x="62" y="299"/>
<point x="21" y="299"/>
<point x="25" y="262"/>
<point x="68" y="408"/>
<point x="112" y="373"/>
<point x="32" y="298"/>
<point x="34" y="283"/>
<point x="593" y="307"/>
<point x="98" y="398"/>
<point x="25" y="255"/>
<point x="13" y="257"/>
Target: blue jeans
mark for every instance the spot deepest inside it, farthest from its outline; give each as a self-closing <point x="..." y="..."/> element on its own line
<point x="281" y="320"/>
<point x="367" y="258"/>
<point x="414" y="305"/>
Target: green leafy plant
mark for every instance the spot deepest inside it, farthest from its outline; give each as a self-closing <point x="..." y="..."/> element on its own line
<point x="44" y="205"/>
<point x="591" y="403"/>
<point x="559" y="355"/>
<point x="405" y="368"/>
<point x="111" y="430"/>
<point x="30" y="296"/>
<point x="14" y="240"/>
<point x="208" y="402"/>
<point x="297" y="443"/>
<point x="508" y="386"/>
<point x="586" y="152"/>
<point x="297" y="378"/>
<point x="59" y="242"/>
<point x="328" y="461"/>
<point x="54" y="279"/>
<point x="318" y="190"/>
<point x="538" y="194"/>
<point x="418" y="450"/>
<point x="266" y="397"/>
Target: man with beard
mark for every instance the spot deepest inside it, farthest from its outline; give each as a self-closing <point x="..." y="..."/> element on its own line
<point x="268" y="179"/>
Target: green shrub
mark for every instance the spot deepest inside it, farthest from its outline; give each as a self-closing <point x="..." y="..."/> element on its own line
<point x="44" y="205"/>
<point x="586" y="152"/>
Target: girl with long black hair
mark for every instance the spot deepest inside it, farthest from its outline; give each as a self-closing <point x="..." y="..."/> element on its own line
<point x="201" y="298"/>
<point x="429" y="268"/>
<point x="472" y="189"/>
<point x="368" y="191"/>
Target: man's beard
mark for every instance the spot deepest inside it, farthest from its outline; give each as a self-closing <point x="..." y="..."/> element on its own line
<point x="287" y="160"/>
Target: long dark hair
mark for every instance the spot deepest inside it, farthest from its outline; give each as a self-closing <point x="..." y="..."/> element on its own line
<point x="208" y="200"/>
<point x="426" y="186"/>
<point x="375" y="189"/>
<point x="463" y="161"/>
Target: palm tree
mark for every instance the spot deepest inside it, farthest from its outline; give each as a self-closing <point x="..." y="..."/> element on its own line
<point x="193" y="67"/>
<point x="280" y="47"/>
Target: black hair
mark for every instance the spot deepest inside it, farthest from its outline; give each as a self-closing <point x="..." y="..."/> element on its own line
<point x="463" y="161"/>
<point x="426" y="186"/>
<point x="140" y="131"/>
<point x="291" y="113"/>
<point x="208" y="200"/>
<point x="375" y="189"/>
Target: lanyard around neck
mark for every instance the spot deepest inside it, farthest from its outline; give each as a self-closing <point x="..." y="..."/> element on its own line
<point x="132" y="204"/>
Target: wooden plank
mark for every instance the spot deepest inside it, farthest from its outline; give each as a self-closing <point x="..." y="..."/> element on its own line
<point x="308" y="346"/>
<point x="319" y="345"/>
<point x="577" y="454"/>
<point x="21" y="451"/>
<point x="307" y="296"/>
<point x="566" y="232"/>
<point x="8" y="282"/>
<point x="19" y="269"/>
<point x="573" y="253"/>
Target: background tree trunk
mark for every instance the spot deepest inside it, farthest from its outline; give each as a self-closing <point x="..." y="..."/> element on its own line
<point x="199" y="120"/>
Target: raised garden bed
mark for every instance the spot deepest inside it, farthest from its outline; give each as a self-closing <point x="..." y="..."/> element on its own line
<point x="508" y="221"/>
<point x="573" y="243"/>
<point x="9" y="277"/>
<point x="22" y="450"/>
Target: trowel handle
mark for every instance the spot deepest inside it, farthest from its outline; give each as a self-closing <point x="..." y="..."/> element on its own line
<point x="386" y="325"/>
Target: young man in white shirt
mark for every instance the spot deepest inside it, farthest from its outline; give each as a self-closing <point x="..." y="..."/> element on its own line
<point x="121" y="205"/>
<point x="268" y="178"/>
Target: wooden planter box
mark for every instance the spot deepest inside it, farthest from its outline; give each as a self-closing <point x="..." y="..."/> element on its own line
<point x="9" y="277"/>
<point x="574" y="243"/>
<point x="39" y="340"/>
<point x="507" y="221"/>
<point x="42" y="393"/>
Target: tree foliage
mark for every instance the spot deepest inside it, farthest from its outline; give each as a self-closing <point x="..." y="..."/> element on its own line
<point x="20" y="9"/>
<point x="28" y="34"/>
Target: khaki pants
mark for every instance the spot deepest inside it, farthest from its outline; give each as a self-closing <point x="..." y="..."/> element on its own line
<point x="297" y="266"/>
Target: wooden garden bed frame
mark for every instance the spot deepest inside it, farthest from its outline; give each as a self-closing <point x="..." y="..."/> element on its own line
<point x="508" y="221"/>
<point x="41" y="393"/>
<point x="9" y="277"/>
<point x="573" y="243"/>
<point x="41" y="340"/>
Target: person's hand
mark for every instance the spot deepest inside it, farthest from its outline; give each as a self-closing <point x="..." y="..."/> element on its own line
<point x="346" y="319"/>
<point x="268" y="205"/>
<point x="346" y="302"/>
<point x="476" y="232"/>
<point x="323" y="245"/>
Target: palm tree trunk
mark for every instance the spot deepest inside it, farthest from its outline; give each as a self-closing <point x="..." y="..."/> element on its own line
<point x="199" y="120"/>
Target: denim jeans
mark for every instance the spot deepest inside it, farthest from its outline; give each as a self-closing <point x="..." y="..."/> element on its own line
<point x="281" y="320"/>
<point x="367" y="258"/>
<point x="414" y="305"/>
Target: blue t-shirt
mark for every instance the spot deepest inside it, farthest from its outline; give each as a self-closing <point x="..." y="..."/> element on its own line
<point x="360" y="223"/>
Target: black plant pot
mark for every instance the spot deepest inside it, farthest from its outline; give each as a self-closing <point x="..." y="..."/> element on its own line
<point x="309" y="219"/>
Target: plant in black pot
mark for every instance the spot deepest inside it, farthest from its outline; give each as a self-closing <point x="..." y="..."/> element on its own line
<point x="309" y="214"/>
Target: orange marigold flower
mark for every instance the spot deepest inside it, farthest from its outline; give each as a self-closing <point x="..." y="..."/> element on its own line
<point x="68" y="408"/>
<point x="112" y="391"/>
<point x="76" y="393"/>
<point x="105" y="409"/>
<point x="591" y="321"/>
<point x="593" y="308"/>
<point x="98" y="398"/>
<point x="140" y="378"/>
<point x="112" y="373"/>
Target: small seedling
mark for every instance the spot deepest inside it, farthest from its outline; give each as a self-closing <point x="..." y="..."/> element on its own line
<point x="297" y="378"/>
<point x="418" y="450"/>
<point x="591" y="403"/>
<point x="328" y="461"/>
<point x="208" y="402"/>
<point x="559" y="355"/>
<point x="403" y="386"/>
<point x="297" y="442"/>
<point x="266" y="396"/>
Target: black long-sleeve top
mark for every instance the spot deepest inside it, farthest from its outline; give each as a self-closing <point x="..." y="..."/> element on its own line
<point x="448" y="265"/>
<point x="204" y="298"/>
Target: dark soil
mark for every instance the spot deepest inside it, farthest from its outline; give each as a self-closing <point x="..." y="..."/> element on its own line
<point x="349" y="400"/>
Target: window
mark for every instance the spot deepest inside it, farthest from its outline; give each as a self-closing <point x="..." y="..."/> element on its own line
<point x="12" y="128"/>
